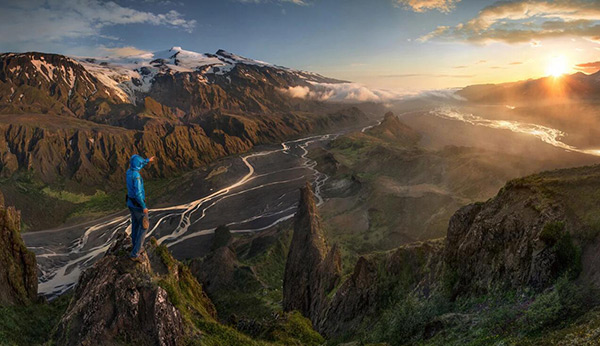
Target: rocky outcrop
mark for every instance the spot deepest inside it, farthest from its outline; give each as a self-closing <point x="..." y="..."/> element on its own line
<point x="313" y="269"/>
<point x="392" y="129"/>
<point x="415" y="268"/>
<point x="220" y="270"/>
<point x="18" y="269"/>
<point x="89" y="154"/>
<point x="119" y="301"/>
<point x="312" y="276"/>
<point x="527" y="235"/>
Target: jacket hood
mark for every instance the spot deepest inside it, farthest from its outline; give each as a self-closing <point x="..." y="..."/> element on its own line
<point x="137" y="162"/>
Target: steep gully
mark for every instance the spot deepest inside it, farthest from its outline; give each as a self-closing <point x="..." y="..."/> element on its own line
<point x="265" y="196"/>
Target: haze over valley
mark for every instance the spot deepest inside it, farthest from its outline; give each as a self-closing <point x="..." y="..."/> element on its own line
<point x="436" y="184"/>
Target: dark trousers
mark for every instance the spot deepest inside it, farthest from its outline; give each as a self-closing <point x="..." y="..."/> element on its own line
<point x="138" y="233"/>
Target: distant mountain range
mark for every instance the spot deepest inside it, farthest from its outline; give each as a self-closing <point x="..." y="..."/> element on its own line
<point x="578" y="86"/>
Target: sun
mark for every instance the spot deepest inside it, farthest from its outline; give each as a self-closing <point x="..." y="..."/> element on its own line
<point x="557" y="66"/>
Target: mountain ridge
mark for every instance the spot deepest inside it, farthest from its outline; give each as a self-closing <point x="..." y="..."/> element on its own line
<point x="51" y="106"/>
<point x="577" y="86"/>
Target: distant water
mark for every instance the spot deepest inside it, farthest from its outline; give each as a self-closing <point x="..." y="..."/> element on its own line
<point x="545" y="134"/>
<point x="265" y="196"/>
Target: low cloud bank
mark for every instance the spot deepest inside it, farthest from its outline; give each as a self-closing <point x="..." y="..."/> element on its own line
<point x="341" y="92"/>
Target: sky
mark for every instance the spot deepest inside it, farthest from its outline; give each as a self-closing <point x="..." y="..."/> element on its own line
<point x="399" y="45"/>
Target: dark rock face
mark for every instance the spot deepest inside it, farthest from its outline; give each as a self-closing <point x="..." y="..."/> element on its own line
<point x="50" y="84"/>
<point x="220" y="269"/>
<point x="117" y="301"/>
<point x="497" y="243"/>
<point x="91" y="154"/>
<point x="312" y="268"/>
<point x="18" y="269"/>
<point x="417" y="266"/>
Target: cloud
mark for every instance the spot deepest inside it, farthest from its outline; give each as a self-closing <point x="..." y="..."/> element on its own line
<point x="410" y="75"/>
<point x="299" y="91"/>
<point x="524" y="21"/>
<point x="296" y="2"/>
<point x="590" y="67"/>
<point x="443" y="93"/>
<point x="515" y="63"/>
<point x="123" y="51"/>
<point x="427" y="5"/>
<point x="340" y="92"/>
<point x="40" y="21"/>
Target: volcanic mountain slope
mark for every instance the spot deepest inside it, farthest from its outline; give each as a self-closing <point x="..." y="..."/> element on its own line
<point x="72" y="123"/>
<point x="519" y="268"/>
<point x="186" y="83"/>
<point x="49" y="83"/>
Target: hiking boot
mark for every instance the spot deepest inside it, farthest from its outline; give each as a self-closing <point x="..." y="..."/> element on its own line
<point x="136" y="259"/>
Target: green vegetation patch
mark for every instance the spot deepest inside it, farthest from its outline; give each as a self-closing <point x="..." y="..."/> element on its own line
<point x="33" y="324"/>
<point x="502" y="318"/>
<point x="76" y="198"/>
<point x="568" y="255"/>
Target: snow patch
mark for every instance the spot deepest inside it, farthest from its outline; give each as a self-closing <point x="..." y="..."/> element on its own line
<point x="131" y="76"/>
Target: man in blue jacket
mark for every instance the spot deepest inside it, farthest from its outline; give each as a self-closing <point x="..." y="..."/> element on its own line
<point x="136" y="201"/>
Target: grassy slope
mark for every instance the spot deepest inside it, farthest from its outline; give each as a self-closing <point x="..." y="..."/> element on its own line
<point x="566" y="314"/>
<point x="30" y="325"/>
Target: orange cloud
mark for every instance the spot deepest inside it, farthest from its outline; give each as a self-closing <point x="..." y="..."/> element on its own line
<point x="124" y="51"/>
<point x="426" y="5"/>
<point x="590" y="67"/>
<point x="526" y="21"/>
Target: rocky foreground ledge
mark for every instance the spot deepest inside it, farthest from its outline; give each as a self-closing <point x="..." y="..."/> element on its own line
<point x="118" y="300"/>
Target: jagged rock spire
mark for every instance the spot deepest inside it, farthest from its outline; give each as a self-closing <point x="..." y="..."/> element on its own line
<point x="18" y="269"/>
<point x="312" y="269"/>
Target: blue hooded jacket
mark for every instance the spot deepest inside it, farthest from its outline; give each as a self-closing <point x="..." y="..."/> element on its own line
<point x="135" y="184"/>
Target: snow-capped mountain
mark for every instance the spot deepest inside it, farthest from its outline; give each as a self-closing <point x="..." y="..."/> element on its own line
<point x="186" y="83"/>
<point x="134" y="75"/>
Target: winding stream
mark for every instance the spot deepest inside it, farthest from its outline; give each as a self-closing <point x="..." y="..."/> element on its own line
<point x="265" y="196"/>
